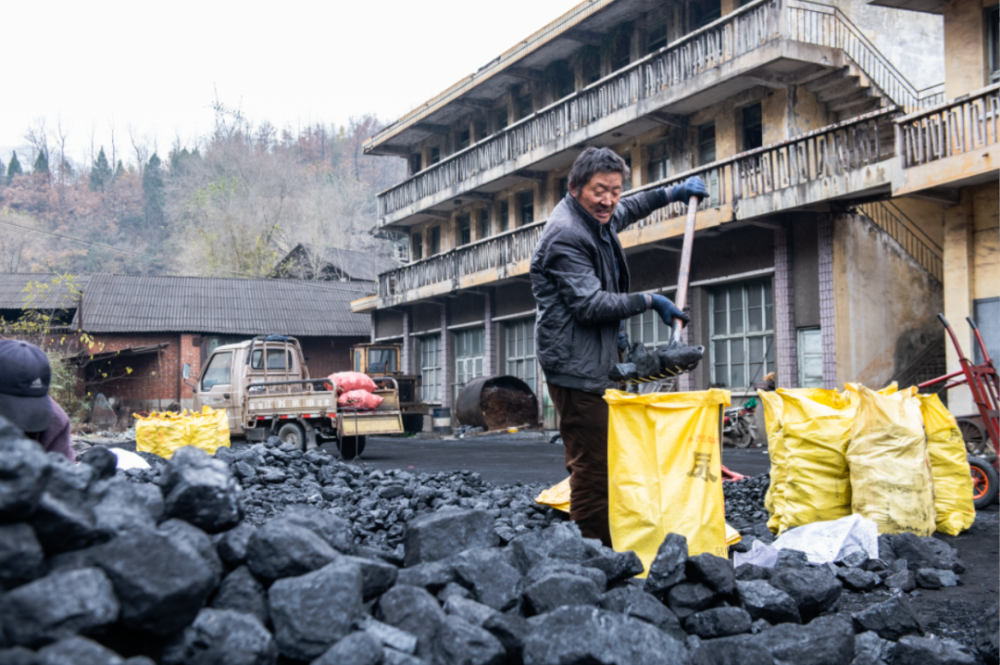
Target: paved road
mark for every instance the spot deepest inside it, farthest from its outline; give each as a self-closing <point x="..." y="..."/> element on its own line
<point x="506" y="459"/>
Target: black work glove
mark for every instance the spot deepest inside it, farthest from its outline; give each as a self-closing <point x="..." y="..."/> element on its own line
<point x="668" y="311"/>
<point x="693" y="186"/>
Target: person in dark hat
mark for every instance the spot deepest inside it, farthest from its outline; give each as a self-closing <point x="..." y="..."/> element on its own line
<point x="24" y="397"/>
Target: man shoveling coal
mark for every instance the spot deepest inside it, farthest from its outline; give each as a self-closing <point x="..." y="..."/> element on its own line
<point x="581" y="285"/>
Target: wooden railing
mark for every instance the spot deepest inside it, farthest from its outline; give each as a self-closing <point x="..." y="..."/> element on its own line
<point x="740" y="32"/>
<point x="955" y="128"/>
<point x="892" y="220"/>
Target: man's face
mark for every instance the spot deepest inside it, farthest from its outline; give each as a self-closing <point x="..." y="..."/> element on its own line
<point x="600" y="195"/>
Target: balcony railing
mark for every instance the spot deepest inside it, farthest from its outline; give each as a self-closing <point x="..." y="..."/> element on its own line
<point x="748" y="28"/>
<point x="958" y="127"/>
<point x="816" y="158"/>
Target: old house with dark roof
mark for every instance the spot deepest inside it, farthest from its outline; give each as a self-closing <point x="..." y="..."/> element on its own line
<point x="333" y="264"/>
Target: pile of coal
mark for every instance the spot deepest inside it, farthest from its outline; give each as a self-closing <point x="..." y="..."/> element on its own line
<point x="670" y="359"/>
<point x="745" y="500"/>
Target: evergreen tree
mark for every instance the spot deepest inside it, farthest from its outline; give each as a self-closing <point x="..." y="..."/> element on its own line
<point x="14" y="168"/>
<point x="152" y="191"/>
<point x="3" y="172"/>
<point x="120" y="169"/>
<point x="100" y="172"/>
<point x="41" y="166"/>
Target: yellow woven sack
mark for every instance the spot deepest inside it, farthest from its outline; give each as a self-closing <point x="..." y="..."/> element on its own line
<point x="161" y="433"/>
<point x="891" y="481"/>
<point x="556" y="496"/>
<point x="664" y="471"/>
<point x="816" y="426"/>
<point x="209" y="430"/>
<point x="953" y="487"/>
<point x="774" y="500"/>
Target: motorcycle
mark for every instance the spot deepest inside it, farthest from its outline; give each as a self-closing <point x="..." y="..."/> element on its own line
<point x="739" y="428"/>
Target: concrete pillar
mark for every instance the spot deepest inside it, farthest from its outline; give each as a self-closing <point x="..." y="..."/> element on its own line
<point x="959" y="280"/>
<point x="786" y="351"/>
<point x="489" y="335"/>
<point x="374" y="322"/>
<point x="406" y="359"/>
<point x="447" y="356"/>
<point x="824" y="234"/>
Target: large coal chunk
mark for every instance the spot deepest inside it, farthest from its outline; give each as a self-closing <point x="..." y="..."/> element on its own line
<point x="161" y="579"/>
<point x="438" y="535"/>
<point x="726" y="651"/>
<point x="913" y="650"/>
<point x="414" y="610"/>
<point x="468" y="610"/>
<point x="281" y="548"/>
<point x="123" y="506"/>
<point x="827" y="640"/>
<point x="530" y="548"/>
<point x="336" y="531"/>
<point x="24" y="471"/>
<point x="645" y="363"/>
<point x="559" y="589"/>
<point x="714" y="572"/>
<point x="687" y="598"/>
<point x="355" y="649"/>
<point x="676" y="358"/>
<point x="377" y="576"/>
<point x="222" y="637"/>
<point x="632" y="601"/>
<point x="616" y="566"/>
<point x="891" y="619"/>
<point x="550" y="566"/>
<point x="919" y="552"/>
<point x="856" y="579"/>
<point x="64" y="517"/>
<point x="77" y="651"/>
<point x="763" y="601"/>
<point x="102" y="460"/>
<point x="241" y="592"/>
<point x="389" y="636"/>
<point x="718" y="622"/>
<point x="814" y="589"/>
<point x="932" y="578"/>
<point x="576" y="635"/>
<point x="201" y="490"/>
<point x="668" y="568"/>
<point x="312" y="611"/>
<point x="432" y="576"/>
<point x="21" y="556"/>
<point x="623" y="372"/>
<point x="511" y="630"/>
<point x="232" y="545"/>
<point x="461" y="642"/>
<point x="18" y="656"/>
<point x="195" y="539"/>
<point x="487" y="573"/>
<point x="58" y="606"/>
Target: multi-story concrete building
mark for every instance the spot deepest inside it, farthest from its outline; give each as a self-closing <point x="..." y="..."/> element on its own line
<point x="813" y="258"/>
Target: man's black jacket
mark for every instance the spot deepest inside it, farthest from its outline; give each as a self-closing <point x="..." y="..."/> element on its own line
<point x="580" y="303"/>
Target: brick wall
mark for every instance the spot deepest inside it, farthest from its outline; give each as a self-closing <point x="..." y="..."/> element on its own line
<point x="326" y="355"/>
<point x="784" y="311"/>
<point x="824" y="231"/>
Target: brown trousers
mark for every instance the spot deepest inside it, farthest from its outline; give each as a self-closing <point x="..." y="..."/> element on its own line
<point x="583" y="424"/>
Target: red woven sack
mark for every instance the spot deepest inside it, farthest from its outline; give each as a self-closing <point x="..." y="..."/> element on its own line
<point x="348" y="381"/>
<point x="360" y="399"/>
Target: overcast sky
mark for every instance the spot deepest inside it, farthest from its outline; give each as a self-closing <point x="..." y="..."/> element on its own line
<point x="156" y="67"/>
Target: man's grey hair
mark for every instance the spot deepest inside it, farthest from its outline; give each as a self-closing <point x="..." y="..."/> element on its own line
<point x="595" y="160"/>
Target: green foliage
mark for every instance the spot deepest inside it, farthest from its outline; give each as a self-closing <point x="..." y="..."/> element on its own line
<point x="14" y="168"/>
<point x="152" y="192"/>
<point x="41" y="166"/>
<point x="120" y="169"/>
<point x="3" y="172"/>
<point x="100" y="172"/>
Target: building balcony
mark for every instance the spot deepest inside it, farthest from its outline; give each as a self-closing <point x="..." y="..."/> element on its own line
<point x="775" y="43"/>
<point x="949" y="146"/>
<point x="855" y="159"/>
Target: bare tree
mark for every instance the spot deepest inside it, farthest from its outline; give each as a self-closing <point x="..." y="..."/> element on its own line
<point x="19" y="243"/>
<point x="38" y="138"/>
<point x="62" y="135"/>
<point x="140" y="144"/>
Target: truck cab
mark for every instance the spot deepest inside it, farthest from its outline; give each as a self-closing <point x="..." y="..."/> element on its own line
<point x="384" y="361"/>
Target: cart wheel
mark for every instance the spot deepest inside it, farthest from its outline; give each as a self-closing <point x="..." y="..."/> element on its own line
<point x="974" y="437"/>
<point x="985" y="481"/>
<point x="744" y="435"/>
<point x="294" y="434"/>
<point x="351" y="447"/>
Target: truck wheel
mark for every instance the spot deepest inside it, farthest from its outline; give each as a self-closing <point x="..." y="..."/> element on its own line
<point x="413" y="423"/>
<point x="294" y="434"/>
<point x="985" y="482"/>
<point x="351" y="447"/>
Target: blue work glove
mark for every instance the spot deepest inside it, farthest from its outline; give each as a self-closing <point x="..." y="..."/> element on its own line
<point x="693" y="186"/>
<point x="622" y="342"/>
<point x="668" y="310"/>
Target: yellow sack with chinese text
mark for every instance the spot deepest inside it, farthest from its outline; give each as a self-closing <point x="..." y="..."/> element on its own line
<point x="209" y="430"/>
<point x="816" y="426"/>
<point x="774" y="500"/>
<point x="891" y="481"/>
<point x="161" y="433"/>
<point x="953" y="486"/>
<point x="664" y="475"/>
<point x="556" y="496"/>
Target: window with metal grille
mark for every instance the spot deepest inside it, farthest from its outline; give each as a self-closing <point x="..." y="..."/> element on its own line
<point x="418" y="246"/>
<point x="435" y="155"/>
<point x="753" y="127"/>
<point x="648" y="329"/>
<point x="658" y="166"/>
<point x="704" y="12"/>
<point x="742" y="333"/>
<point x="504" y="216"/>
<point x="590" y="63"/>
<point x="464" y="139"/>
<point x="463" y="230"/>
<point x="480" y="129"/>
<point x="470" y="356"/>
<point x="526" y="204"/>
<point x="415" y="162"/>
<point x="524" y="106"/>
<point x="656" y="37"/>
<point x="484" y="223"/>
<point x="435" y="240"/>
<point x="521" y="350"/>
<point x="501" y="119"/>
<point x="429" y="355"/>
<point x="810" y="349"/>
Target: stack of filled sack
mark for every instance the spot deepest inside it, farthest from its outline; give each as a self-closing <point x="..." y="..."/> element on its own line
<point x="355" y="390"/>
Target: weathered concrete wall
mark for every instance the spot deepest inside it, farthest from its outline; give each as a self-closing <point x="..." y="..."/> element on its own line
<point x="388" y="323"/>
<point x="514" y="298"/>
<point x="467" y="308"/>
<point x="964" y="40"/>
<point x="885" y="303"/>
<point x="986" y="240"/>
<point x="805" y="274"/>
<point x="426" y="316"/>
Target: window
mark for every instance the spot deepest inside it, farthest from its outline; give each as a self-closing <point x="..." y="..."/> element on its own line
<point x="706" y="143"/>
<point x="217" y="371"/>
<point x="810" y="345"/>
<point x="526" y="204"/>
<point x="656" y="37"/>
<point x="435" y="240"/>
<point x="521" y="351"/>
<point x="418" y="246"/>
<point x="753" y="130"/>
<point x="435" y="154"/>
<point x="627" y="180"/>
<point x="464" y="139"/>
<point x="558" y="78"/>
<point x="429" y="354"/>
<point x="704" y="12"/>
<point x="480" y="129"/>
<point x="415" y="162"/>
<point x="524" y="107"/>
<point x="383" y="361"/>
<point x="464" y="230"/>
<point x="648" y="329"/>
<point x="993" y="21"/>
<point x="590" y="63"/>
<point x="276" y="359"/>
<point x="504" y="216"/>
<point x="620" y="39"/>
<point x="563" y="187"/>
<point x="742" y="333"/>
<point x="501" y="119"/>
<point x="484" y="223"/>
<point x="470" y="354"/>
<point x="987" y="316"/>
<point x="658" y="167"/>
